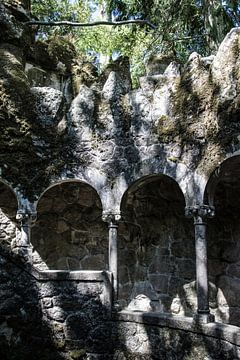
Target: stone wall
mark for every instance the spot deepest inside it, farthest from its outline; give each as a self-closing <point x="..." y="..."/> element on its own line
<point x="224" y="243"/>
<point x="139" y="339"/>
<point x="9" y="229"/>
<point x="76" y="145"/>
<point x="55" y="317"/>
<point x="156" y="247"/>
<point x="69" y="232"/>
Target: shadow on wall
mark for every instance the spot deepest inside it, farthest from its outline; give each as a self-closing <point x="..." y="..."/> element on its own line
<point x="8" y="210"/>
<point x="50" y="320"/>
<point x="69" y="233"/>
<point x="150" y="342"/>
<point x="57" y="320"/>
<point x="223" y="241"/>
<point x="156" y="248"/>
<point x="23" y="332"/>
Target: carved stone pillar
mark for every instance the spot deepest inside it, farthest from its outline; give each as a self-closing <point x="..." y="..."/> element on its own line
<point x="25" y="219"/>
<point x="200" y="213"/>
<point x="112" y="220"/>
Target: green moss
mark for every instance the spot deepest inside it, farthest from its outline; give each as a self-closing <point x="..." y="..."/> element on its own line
<point x="56" y="54"/>
<point x="77" y="354"/>
<point x="167" y="128"/>
<point x="61" y="50"/>
<point x="84" y="72"/>
<point x="59" y="343"/>
<point x="173" y="159"/>
<point x="25" y="161"/>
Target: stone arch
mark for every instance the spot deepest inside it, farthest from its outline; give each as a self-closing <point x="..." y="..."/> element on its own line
<point x="156" y="246"/>
<point x="8" y="210"/>
<point x="223" y="191"/>
<point x="69" y="233"/>
<point x="179" y="172"/>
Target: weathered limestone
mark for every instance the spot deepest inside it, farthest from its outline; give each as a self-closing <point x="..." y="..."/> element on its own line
<point x="49" y="105"/>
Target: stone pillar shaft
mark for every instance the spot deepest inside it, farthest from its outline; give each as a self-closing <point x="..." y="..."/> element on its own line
<point x="199" y="213"/>
<point x="26" y="219"/>
<point x="25" y="233"/>
<point x="201" y="265"/>
<point x="113" y="255"/>
<point x="112" y="220"/>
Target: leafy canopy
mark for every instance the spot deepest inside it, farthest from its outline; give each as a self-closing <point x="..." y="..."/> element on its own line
<point x="182" y="26"/>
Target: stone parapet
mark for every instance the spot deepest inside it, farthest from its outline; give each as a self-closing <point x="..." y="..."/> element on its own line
<point x="226" y="332"/>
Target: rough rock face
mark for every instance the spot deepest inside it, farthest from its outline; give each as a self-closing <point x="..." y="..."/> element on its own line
<point x="51" y="319"/>
<point x="69" y="233"/>
<point x="107" y="149"/>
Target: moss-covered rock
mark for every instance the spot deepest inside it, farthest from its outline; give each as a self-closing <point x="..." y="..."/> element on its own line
<point x="158" y="63"/>
<point x="30" y="155"/>
<point x="12" y="29"/>
<point x="167" y="128"/>
<point x="84" y="73"/>
<point x="56" y="53"/>
<point x="77" y="354"/>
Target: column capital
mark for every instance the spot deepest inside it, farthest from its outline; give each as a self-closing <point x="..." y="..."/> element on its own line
<point x="111" y="217"/>
<point x="203" y="211"/>
<point x="23" y="216"/>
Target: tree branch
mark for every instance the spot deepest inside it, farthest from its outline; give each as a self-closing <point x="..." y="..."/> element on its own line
<point x="95" y="23"/>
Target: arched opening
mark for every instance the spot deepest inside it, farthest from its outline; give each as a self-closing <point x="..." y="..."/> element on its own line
<point x="156" y="248"/>
<point x="8" y="210"/>
<point x="69" y="233"/>
<point x="223" y="189"/>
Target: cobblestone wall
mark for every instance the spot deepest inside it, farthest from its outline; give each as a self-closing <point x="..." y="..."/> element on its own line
<point x="9" y="231"/>
<point x="49" y="319"/>
<point x="156" y="256"/>
<point x="69" y="233"/>
<point x="224" y="246"/>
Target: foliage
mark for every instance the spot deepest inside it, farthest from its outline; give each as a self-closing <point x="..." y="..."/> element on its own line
<point x="182" y="26"/>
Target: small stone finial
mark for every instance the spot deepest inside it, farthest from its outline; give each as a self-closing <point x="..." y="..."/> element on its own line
<point x="203" y="211"/>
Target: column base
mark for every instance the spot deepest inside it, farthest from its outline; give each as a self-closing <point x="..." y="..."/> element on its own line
<point x="203" y="318"/>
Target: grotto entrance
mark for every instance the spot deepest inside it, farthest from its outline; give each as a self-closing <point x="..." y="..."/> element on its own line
<point x="69" y="233"/>
<point x="223" y="191"/>
<point x="156" y="248"/>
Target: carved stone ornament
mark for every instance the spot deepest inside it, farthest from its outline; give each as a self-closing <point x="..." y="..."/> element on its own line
<point x="203" y="211"/>
<point x="111" y="217"/>
<point x="24" y="216"/>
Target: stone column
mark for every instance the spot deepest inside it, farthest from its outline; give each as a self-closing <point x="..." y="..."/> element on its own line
<point x="112" y="220"/>
<point x="25" y="219"/>
<point x="200" y="213"/>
